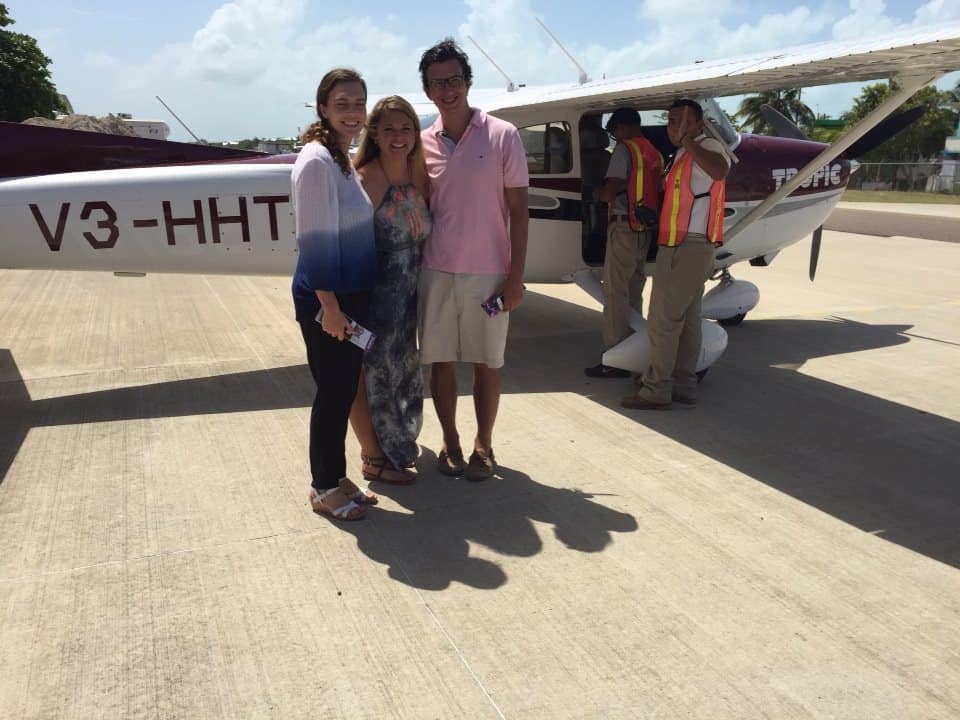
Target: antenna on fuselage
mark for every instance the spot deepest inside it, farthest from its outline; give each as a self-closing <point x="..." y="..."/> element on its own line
<point x="583" y="73"/>
<point x="179" y="120"/>
<point x="510" y="86"/>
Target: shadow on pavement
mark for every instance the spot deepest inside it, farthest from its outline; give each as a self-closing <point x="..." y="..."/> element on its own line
<point x="427" y="545"/>
<point x="881" y="466"/>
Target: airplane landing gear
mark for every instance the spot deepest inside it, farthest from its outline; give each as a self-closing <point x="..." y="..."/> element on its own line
<point x="633" y="353"/>
<point x="730" y="301"/>
<point x="732" y="321"/>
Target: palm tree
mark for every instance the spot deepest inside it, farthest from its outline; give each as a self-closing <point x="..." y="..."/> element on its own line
<point x="787" y="102"/>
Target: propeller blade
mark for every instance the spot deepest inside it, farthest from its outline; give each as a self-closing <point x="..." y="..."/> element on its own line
<point x="885" y="130"/>
<point x="781" y="124"/>
<point x="815" y="251"/>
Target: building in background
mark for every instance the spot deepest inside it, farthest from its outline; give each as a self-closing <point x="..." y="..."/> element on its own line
<point x="949" y="178"/>
<point x="276" y="146"/>
<point x="150" y="129"/>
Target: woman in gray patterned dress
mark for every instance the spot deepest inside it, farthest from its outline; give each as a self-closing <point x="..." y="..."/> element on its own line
<point x="388" y="410"/>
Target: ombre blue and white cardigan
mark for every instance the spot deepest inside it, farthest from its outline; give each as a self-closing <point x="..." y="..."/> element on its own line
<point x="334" y="228"/>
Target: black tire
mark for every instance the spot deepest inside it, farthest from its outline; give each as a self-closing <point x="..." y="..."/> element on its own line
<point x="701" y="374"/>
<point x="732" y="321"/>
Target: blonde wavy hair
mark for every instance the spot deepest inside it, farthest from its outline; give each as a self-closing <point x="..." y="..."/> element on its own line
<point x="370" y="151"/>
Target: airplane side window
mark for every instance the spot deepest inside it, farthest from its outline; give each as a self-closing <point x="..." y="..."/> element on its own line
<point x="548" y="148"/>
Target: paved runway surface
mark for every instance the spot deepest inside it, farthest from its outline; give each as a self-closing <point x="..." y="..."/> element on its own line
<point x="930" y="222"/>
<point x="788" y="549"/>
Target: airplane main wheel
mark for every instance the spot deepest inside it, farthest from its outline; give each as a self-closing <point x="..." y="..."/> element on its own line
<point x="732" y="321"/>
<point x="701" y="374"/>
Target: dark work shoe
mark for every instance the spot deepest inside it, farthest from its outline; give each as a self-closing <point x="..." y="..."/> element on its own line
<point x="450" y="463"/>
<point x="481" y="466"/>
<point x="690" y="400"/>
<point x="638" y="402"/>
<point x="605" y="371"/>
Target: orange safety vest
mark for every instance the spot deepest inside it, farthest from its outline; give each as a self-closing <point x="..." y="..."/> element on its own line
<point x="678" y="202"/>
<point x="646" y="166"/>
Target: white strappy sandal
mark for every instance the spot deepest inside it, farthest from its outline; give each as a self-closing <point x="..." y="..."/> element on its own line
<point x="361" y="496"/>
<point x="349" y="511"/>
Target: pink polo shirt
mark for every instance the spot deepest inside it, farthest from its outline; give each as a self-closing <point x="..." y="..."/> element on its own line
<point x="470" y="214"/>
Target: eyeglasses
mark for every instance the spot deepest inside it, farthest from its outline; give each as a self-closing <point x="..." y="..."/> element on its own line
<point x="453" y="82"/>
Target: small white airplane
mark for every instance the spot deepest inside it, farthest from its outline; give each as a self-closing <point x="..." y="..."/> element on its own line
<point x="82" y="201"/>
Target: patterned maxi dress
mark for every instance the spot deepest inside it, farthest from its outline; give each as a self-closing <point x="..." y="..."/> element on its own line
<point x="392" y="366"/>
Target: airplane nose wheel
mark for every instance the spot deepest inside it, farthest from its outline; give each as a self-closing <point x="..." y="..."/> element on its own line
<point x="726" y="280"/>
<point x="730" y="301"/>
<point x="732" y="321"/>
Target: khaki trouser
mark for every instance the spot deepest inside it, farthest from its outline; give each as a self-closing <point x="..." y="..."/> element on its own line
<point x="623" y="279"/>
<point x="674" y="319"/>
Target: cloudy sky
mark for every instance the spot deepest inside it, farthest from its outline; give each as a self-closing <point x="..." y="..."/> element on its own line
<point x="244" y="68"/>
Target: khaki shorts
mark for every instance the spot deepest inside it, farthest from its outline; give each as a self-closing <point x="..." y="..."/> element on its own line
<point x="453" y="326"/>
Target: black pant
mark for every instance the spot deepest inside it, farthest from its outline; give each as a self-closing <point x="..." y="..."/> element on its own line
<point x="335" y="366"/>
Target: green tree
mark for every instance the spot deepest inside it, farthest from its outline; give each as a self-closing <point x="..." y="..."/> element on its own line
<point x="788" y="102"/>
<point x="826" y="135"/>
<point x="923" y="139"/>
<point x="25" y="87"/>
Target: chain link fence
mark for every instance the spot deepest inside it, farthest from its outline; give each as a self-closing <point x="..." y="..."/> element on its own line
<point x="937" y="176"/>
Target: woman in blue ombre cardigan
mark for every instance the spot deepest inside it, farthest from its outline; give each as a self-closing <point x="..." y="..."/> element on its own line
<point x="336" y="269"/>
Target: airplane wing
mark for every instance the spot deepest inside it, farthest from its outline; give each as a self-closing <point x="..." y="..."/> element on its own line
<point x="930" y="50"/>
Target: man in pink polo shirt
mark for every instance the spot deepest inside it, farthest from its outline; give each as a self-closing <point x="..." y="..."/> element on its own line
<point x="478" y="197"/>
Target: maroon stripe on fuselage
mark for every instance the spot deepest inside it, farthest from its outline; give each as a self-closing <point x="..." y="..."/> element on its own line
<point x="27" y="150"/>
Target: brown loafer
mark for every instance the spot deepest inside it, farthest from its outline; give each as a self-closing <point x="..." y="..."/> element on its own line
<point x="482" y="465"/>
<point x="450" y="463"/>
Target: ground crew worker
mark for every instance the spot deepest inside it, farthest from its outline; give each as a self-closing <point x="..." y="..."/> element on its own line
<point x="631" y="191"/>
<point x="691" y="227"/>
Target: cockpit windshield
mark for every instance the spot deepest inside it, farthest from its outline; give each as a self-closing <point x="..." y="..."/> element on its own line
<point x="714" y="114"/>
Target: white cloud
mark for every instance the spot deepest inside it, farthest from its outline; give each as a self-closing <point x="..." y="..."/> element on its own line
<point x="779" y="30"/>
<point x="236" y="43"/>
<point x="867" y="17"/>
<point x="498" y="22"/>
<point x="705" y="33"/>
<point x="676" y="14"/>
<point x="102" y="61"/>
<point x="251" y="65"/>
<point x="937" y="11"/>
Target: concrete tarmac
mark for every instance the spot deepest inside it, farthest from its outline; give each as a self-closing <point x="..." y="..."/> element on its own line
<point x="787" y="549"/>
<point x="927" y="221"/>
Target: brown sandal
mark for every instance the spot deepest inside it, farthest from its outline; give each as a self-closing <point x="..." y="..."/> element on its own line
<point x="385" y="471"/>
<point x="451" y="463"/>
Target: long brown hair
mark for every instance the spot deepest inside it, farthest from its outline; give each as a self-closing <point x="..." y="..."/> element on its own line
<point x="369" y="150"/>
<point x="321" y="130"/>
